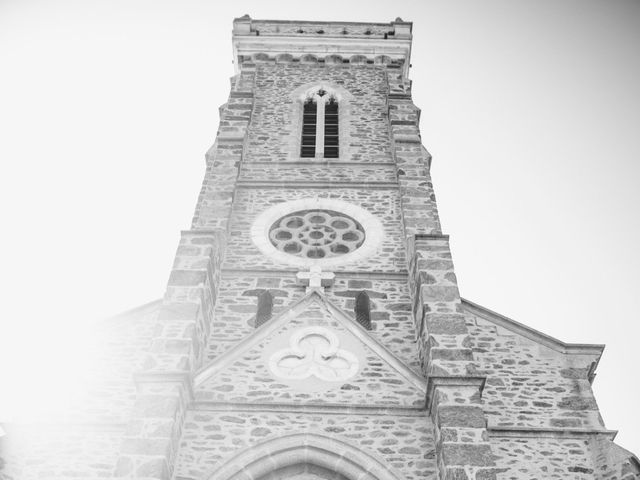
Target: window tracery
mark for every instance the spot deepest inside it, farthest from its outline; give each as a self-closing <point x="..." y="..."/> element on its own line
<point x="320" y="125"/>
<point x="316" y="234"/>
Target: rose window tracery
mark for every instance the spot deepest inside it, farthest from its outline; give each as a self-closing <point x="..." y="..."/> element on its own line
<point x="316" y="234"/>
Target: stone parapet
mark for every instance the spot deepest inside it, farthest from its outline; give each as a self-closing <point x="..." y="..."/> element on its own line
<point x="351" y="42"/>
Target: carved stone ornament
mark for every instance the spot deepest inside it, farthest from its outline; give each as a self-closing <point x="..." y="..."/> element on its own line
<point x="313" y="351"/>
<point x="316" y="231"/>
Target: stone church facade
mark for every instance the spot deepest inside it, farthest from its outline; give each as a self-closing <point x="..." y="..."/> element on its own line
<point x="312" y="326"/>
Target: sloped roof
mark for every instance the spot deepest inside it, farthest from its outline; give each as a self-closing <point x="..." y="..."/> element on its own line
<point x="532" y="333"/>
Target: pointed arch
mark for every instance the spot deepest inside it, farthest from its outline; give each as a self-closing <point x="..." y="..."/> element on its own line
<point x="321" y="115"/>
<point x="306" y="451"/>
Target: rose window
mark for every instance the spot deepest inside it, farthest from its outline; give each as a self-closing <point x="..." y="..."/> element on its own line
<point x="316" y="234"/>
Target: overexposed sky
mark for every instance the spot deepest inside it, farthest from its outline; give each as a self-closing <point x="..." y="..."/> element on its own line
<point x="530" y="109"/>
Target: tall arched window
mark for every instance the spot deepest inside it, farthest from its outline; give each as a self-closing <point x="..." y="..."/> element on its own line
<point x="320" y="134"/>
<point x="309" y="127"/>
<point x="331" y="129"/>
<point x="363" y="310"/>
<point x="265" y="308"/>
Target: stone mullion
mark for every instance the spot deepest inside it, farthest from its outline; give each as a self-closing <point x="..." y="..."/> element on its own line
<point x="185" y="317"/>
<point x="454" y="392"/>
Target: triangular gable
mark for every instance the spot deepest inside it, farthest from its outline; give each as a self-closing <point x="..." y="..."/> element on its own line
<point x="244" y="372"/>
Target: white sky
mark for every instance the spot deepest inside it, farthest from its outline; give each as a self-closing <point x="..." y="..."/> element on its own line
<point x="531" y="110"/>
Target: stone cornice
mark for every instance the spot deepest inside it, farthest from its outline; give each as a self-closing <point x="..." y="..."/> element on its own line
<point x="400" y="276"/>
<point x="333" y="409"/>
<point x="311" y="184"/>
<point x="547" y="432"/>
<point x="353" y="42"/>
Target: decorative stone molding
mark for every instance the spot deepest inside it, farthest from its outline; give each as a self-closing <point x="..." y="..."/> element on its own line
<point x="331" y="453"/>
<point x="314" y="352"/>
<point x="377" y="60"/>
<point x="305" y="40"/>
<point x="263" y="224"/>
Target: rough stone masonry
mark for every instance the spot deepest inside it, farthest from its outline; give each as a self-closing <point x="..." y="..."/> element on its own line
<point x="241" y="371"/>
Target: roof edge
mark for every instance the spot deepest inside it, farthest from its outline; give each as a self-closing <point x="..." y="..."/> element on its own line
<point x="532" y="333"/>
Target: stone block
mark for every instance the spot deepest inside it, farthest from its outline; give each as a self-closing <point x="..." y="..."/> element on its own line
<point x="438" y="293"/>
<point x="452" y="354"/>
<point x="183" y="278"/>
<point x="468" y="416"/>
<point x="468" y="454"/>
<point x="446" y="324"/>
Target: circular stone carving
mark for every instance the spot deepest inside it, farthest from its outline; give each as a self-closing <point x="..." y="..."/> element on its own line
<point x="314" y="352"/>
<point x="321" y="232"/>
<point x="316" y="234"/>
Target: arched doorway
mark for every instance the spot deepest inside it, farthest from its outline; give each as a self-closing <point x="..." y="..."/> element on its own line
<point x="303" y="456"/>
<point x="303" y="471"/>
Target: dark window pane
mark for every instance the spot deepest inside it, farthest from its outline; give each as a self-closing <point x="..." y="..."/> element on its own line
<point x="309" y="124"/>
<point x="331" y="132"/>
<point x="363" y="310"/>
<point x="265" y="308"/>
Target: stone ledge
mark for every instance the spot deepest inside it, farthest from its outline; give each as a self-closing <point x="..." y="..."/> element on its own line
<point x="318" y="162"/>
<point x="546" y="432"/>
<point x="298" y="184"/>
<point x="430" y="236"/>
<point x="325" y="408"/>
<point x="197" y="231"/>
<point x="397" y="276"/>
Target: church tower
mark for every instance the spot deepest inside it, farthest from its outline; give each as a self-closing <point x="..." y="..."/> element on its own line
<point x="312" y="326"/>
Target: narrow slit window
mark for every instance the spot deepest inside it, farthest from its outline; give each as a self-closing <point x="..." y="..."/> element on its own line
<point x="309" y="126"/>
<point x="331" y="138"/>
<point x="265" y="308"/>
<point x="363" y="310"/>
